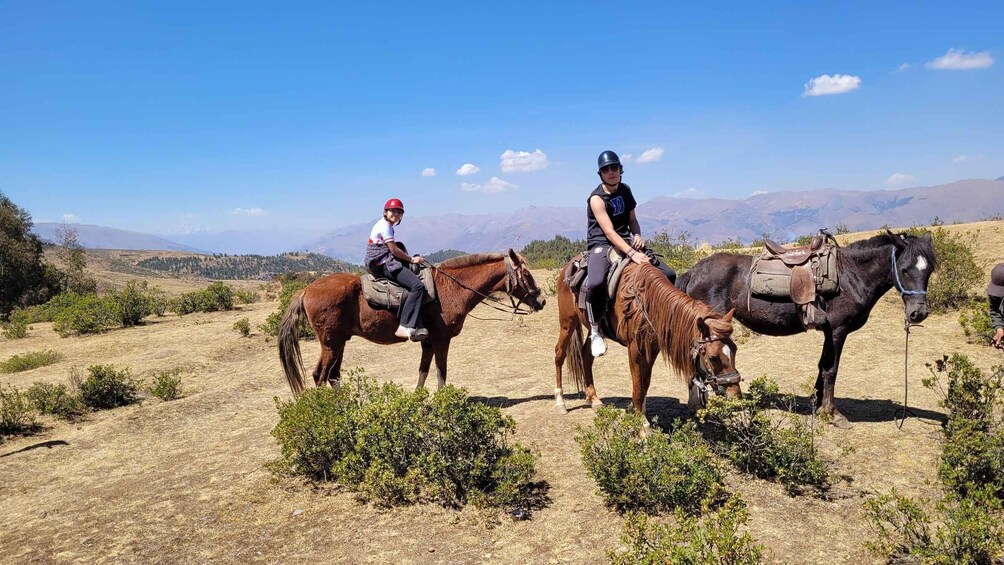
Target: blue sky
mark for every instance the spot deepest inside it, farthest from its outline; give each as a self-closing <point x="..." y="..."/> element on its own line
<point x="173" y="116"/>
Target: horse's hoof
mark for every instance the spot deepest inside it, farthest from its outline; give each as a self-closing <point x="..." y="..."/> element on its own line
<point x="595" y="403"/>
<point x="561" y="410"/>
<point x="840" y="421"/>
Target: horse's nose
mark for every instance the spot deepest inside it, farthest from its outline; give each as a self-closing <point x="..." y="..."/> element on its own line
<point x="542" y="301"/>
<point x="918" y="315"/>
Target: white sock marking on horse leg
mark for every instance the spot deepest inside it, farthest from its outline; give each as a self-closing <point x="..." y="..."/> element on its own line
<point x="559" y="400"/>
<point x="422" y="375"/>
<point x="921" y="263"/>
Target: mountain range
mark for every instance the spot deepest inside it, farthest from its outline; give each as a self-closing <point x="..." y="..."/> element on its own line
<point x="781" y="215"/>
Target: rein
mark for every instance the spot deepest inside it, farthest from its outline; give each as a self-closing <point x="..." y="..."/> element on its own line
<point x="510" y="275"/>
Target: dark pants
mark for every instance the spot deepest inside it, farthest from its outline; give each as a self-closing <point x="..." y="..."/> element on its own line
<point x="596" y="277"/>
<point x="396" y="272"/>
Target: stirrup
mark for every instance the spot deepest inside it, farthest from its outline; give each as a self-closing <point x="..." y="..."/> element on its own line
<point x="418" y="334"/>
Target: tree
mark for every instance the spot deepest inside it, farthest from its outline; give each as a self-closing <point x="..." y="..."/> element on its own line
<point x="71" y="253"/>
<point x="24" y="277"/>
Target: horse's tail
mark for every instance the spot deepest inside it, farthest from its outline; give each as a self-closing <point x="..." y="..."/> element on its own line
<point x="289" y="343"/>
<point x="573" y="361"/>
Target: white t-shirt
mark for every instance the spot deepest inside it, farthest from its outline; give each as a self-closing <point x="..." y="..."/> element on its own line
<point x="381" y="233"/>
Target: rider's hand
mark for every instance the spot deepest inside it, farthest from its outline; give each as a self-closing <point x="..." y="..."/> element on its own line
<point x="418" y="259"/>
<point x="637" y="241"/>
<point x="998" y="339"/>
<point x="639" y="257"/>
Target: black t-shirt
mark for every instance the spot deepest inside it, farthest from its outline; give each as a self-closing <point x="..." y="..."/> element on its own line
<point x="619" y="206"/>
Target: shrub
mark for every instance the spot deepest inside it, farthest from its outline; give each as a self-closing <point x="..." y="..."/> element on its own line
<point x="108" y="387"/>
<point x="246" y="296"/>
<point x="973" y="453"/>
<point x="243" y="327"/>
<point x="17" y="416"/>
<point x="660" y="472"/>
<point x="57" y="400"/>
<point x="397" y="447"/>
<point x="83" y="313"/>
<point x="976" y="324"/>
<point x="271" y="325"/>
<point x="166" y="385"/>
<point x="713" y="539"/>
<point x="30" y="360"/>
<point x="680" y="252"/>
<point x="782" y="448"/>
<point x="133" y="303"/>
<point x="961" y="530"/>
<point x="215" y="297"/>
<point x="16" y="328"/>
<point x="951" y="286"/>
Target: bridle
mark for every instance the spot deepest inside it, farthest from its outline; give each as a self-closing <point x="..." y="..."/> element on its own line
<point x="705" y="373"/>
<point x="513" y="281"/>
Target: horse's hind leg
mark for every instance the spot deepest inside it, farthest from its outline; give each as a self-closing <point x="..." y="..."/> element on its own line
<point x="329" y="366"/>
<point x="587" y="364"/>
<point x="320" y="371"/>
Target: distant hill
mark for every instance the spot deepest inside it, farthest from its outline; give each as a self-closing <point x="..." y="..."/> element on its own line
<point x="100" y="237"/>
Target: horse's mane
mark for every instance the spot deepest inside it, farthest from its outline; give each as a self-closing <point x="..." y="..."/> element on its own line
<point x="915" y="247"/>
<point x="471" y="259"/>
<point x="673" y="315"/>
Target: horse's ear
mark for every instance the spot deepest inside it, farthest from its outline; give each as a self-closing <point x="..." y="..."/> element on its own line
<point x="514" y="258"/>
<point x="702" y="327"/>
<point x="728" y="316"/>
<point x="897" y="239"/>
<point x="926" y="237"/>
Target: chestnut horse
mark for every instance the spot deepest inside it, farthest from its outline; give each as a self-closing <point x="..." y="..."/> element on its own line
<point x="336" y="310"/>
<point x="649" y="316"/>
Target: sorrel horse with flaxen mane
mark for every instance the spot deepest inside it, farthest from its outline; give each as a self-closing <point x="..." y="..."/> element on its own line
<point x="336" y="310"/>
<point x="649" y="316"/>
<point x="868" y="269"/>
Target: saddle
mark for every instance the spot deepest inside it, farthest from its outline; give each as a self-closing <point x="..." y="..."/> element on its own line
<point x="575" y="275"/>
<point x="806" y="275"/>
<point x="385" y="294"/>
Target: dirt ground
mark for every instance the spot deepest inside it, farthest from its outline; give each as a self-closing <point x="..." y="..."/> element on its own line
<point x="184" y="481"/>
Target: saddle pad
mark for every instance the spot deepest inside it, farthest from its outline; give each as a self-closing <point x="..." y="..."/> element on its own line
<point x="384" y="293"/>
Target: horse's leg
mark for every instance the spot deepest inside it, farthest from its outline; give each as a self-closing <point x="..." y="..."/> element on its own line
<point x="425" y="363"/>
<point x="334" y="372"/>
<point x="829" y="362"/>
<point x="442" y="349"/>
<point x="587" y="364"/>
<point x="321" y="370"/>
<point x="560" y="352"/>
<point x="641" y="378"/>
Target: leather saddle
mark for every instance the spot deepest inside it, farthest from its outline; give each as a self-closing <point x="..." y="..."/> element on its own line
<point x="575" y="276"/>
<point x="385" y="294"/>
<point x="804" y="275"/>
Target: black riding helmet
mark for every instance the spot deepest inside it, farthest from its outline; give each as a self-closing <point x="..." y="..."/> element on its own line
<point x="607" y="158"/>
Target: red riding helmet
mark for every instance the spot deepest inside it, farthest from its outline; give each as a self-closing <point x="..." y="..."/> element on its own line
<point x="393" y="204"/>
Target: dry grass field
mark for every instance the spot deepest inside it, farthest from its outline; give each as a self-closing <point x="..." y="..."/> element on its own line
<point x="184" y="481"/>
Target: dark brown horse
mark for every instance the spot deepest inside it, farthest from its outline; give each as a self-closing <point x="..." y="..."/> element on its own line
<point x="868" y="269"/>
<point x="336" y="310"/>
<point x="649" y="316"/>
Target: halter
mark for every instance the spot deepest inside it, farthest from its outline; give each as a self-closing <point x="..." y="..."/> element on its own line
<point x="705" y="376"/>
<point x="899" y="285"/>
<point x="512" y="282"/>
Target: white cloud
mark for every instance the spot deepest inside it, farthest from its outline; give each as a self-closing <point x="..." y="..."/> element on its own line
<point x="896" y="179"/>
<point x="71" y="218"/>
<point x="428" y="172"/>
<point x="651" y="155"/>
<point x="689" y="193"/>
<point x="249" y="212"/>
<point x="523" y="161"/>
<point x="758" y="192"/>
<point x="468" y="169"/>
<point x="959" y="60"/>
<point x="902" y="68"/>
<point x="493" y="185"/>
<point x="826" y="84"/>
<point x="626" y="157"/>
<point x="960" y="159"/>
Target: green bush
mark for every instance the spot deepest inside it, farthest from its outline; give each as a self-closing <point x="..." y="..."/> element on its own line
<point x="246" y="296"/>
<point x="214" y="298"/>
<point x="552" y="253"/>
<point x="961" y="530"/>
<point x="397" y="447"/>
<point x="57" y="400"/>
<point x="678" y="251"/>
<point x="271" y="325"/>
<point x="16" y="328"/>
<point x="30" y="360"/>
<point x="108" y="387"/>
<point x="781" y="448"/>
<point x="84" y="313"/>
<point x="243" y="327"/>
<point x="654" y="473"/>
<point x="17" y="416"/>
<point x="951" y="286"/>
<point x="973" y="452"/>
<point x="690" y="541"/>
<point x="133" y="303"/>
<point x="166" y="385"/>
<point x="975" y="322"/>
